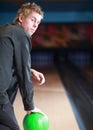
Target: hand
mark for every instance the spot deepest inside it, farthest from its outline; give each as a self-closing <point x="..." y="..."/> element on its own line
<point x="34" y="110"/>
<point x="38" y="76"/>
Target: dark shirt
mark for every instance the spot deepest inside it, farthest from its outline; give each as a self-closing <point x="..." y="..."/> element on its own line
<point x="15" y="59"/>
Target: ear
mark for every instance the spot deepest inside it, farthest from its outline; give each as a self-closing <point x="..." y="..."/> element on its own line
<point x="20" y="18"/>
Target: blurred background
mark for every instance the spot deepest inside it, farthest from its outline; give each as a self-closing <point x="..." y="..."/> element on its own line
<point x="63" y="42"/>
<point x="67" y="29"/>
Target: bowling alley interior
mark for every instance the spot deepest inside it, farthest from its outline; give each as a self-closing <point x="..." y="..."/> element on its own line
<point x="62" y="49"/>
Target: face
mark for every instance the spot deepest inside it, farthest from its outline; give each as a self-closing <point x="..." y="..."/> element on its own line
<point x="31" y="22"/>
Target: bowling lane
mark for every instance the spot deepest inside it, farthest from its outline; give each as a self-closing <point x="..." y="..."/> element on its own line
<point x="79" y="86"/>
<point x="51" y="98"/>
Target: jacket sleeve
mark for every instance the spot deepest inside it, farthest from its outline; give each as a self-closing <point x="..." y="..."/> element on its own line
<point x="23" y="60"/>
<point x="27" y="90"/>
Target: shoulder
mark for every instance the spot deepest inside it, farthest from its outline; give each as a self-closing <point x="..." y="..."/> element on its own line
<point x="16" y="29"/>
<point x="12" y="29"/>
<point x="14" y="32"/>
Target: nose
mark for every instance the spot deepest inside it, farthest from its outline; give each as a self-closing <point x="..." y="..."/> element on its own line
<point x="35" y="25"/>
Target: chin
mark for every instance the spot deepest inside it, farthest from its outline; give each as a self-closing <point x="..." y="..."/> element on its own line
<point x="32" y="33"/>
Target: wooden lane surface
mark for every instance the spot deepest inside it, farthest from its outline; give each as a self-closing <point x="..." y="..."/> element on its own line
<point x="51" y="98"/>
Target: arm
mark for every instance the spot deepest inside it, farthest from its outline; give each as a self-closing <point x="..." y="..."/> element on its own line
<point x="23" y="68"/>
<point x="23" y="65"/>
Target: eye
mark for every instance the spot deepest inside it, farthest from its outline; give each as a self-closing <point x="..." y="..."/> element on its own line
<point x="32" y="19"/>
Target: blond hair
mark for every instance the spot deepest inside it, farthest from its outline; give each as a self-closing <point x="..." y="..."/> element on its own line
<point x="27" y="8"/>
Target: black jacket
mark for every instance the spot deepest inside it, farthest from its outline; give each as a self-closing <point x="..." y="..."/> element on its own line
<point x="15" y="58"/>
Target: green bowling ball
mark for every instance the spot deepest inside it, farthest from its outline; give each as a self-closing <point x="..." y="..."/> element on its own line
<point x="36" y="121"/>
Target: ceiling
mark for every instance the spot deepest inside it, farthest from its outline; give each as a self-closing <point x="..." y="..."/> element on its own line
<point x="22" y="1"/>
<point x="50" y="5"/>
<point x="13" y="1"/>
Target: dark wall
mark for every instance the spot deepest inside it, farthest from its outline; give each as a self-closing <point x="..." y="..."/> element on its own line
<point x="79" y="11"/>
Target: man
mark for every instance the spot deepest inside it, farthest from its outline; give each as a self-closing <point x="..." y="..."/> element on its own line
<point x="15" y="64"/>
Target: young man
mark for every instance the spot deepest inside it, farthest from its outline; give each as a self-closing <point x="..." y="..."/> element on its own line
<point x="15" y="64"/>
